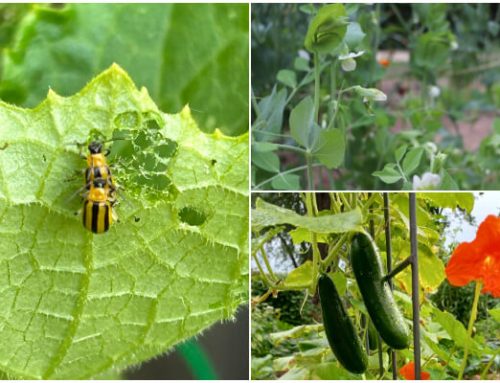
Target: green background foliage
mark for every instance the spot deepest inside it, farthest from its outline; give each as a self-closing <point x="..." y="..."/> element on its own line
<point x="183" y="53"/>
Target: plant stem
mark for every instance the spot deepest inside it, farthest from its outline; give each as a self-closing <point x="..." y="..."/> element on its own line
<point x="309" y="173"/>
<point x="317" y="72"/>
<point x="268" y="264"/>
<point x="298" y="168"/>
<point x="314" y="241"/>
<point x="291" y="147"/>
<point x="487" y="368"/>
<point x="473" y="315"/>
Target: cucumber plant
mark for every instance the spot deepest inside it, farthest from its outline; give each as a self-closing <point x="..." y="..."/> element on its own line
<point x="342" y="267"/>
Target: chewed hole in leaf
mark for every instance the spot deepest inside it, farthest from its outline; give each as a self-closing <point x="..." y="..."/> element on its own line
<point x="167" y="149"/>
<point x="154" y="181"/>
<point x="192" y="216"/>
<point x="152" y="125"/>
<point x="127" y="120"/>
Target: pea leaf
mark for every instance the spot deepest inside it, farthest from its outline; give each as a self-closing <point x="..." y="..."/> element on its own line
<point x="388" y="174"/>
<point x="301" y="122"/>
<point x="287" y="77"/>
<point x="183" y="53"/>
<point x="412" y="160"/>
<point x="327" y="29"/>
<point x="329" y="148"/>
<point x="77" y="305"/>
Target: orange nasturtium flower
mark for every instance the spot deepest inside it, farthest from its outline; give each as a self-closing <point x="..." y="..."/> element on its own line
<point x="478" y="260"/>
<point x="384" y="62"/>
<point x="408" y="372"/>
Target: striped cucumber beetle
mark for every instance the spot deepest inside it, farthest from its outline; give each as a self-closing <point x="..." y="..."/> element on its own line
<point x="97" y="166"/>
<point x="98" y="213"/>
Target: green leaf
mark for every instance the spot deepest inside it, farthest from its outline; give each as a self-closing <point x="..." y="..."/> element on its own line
<point x="301" y="277"/>
<point x="329" y="149"/>
<point x="286" y="182"/>
<point x="354" y="35"/>
<point x="268" y="161"/>
<point x="301" y="64"/>
<point x="340" y="281"/>
<point x="287" y="77"/>
<point x="194" y="54"/>
<point x="388" y="174"/>
<point x="495" y="314"/>
<point x="400" y="152"/>
<point x="301" y="121"/>
<point x="76" y="305"/>
<point x="412" y="160"/>
<point x="301" y="234"/>
<point x="267" y="214"/>
<point x="264" y="146"/>
<point x="327" y="29"/>
<point x="455" y="329"/>
<point x="270" y="116"/>
<point x="450" y="200"/>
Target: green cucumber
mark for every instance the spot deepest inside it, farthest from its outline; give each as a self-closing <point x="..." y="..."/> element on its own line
<point x="372" y="336"/>
<point x="377" y="295"/>
<point x="340" y="332"/>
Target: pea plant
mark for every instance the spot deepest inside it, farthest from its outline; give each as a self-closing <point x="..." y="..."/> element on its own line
<point x="336" y="237"/>
<point x="346" y="112"/>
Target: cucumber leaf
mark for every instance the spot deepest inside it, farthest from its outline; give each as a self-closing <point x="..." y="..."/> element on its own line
<point x="75" y="305"/>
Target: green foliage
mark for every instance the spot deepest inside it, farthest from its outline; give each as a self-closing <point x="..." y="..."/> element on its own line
<point x="183" y="53"/>
<point x="458" y="301"/>
<point x="77" y="305"/>
<point x="307" y="354"/>
<point x="291" y="306"/>
<point x="432" y="101"/>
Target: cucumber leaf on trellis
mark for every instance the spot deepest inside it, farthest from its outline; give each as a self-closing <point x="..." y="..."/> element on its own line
<point x="266" y="214"/>
<point x="75" y="305"/>
<point x="183" y="53"/>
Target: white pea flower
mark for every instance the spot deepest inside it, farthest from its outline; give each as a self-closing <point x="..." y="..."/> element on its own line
<point x="429" y="181"/>
<point x="454" y="45"/>
<point x="347" y="61"/>
<point x="304" y="54"/>
<point x="434" y="91"/>
<point x="348" y="65"/>
<point x="431" y="147"/>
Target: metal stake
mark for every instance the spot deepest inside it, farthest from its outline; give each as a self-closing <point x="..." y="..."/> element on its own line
<point x="415" y="284"/>
<point x="388" y="250"/>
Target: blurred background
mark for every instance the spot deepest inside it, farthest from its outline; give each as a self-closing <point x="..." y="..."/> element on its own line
<point x="221" y="352"/>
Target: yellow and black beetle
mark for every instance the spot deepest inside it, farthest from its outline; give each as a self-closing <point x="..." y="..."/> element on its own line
<point x="98" y="212"/>
<point x="97" y="166"/>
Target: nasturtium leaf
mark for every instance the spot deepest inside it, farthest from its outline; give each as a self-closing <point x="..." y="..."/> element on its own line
<point x="194" y="54"/>
<point x="76" y="305"/>
<point x="266" y="214"/>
